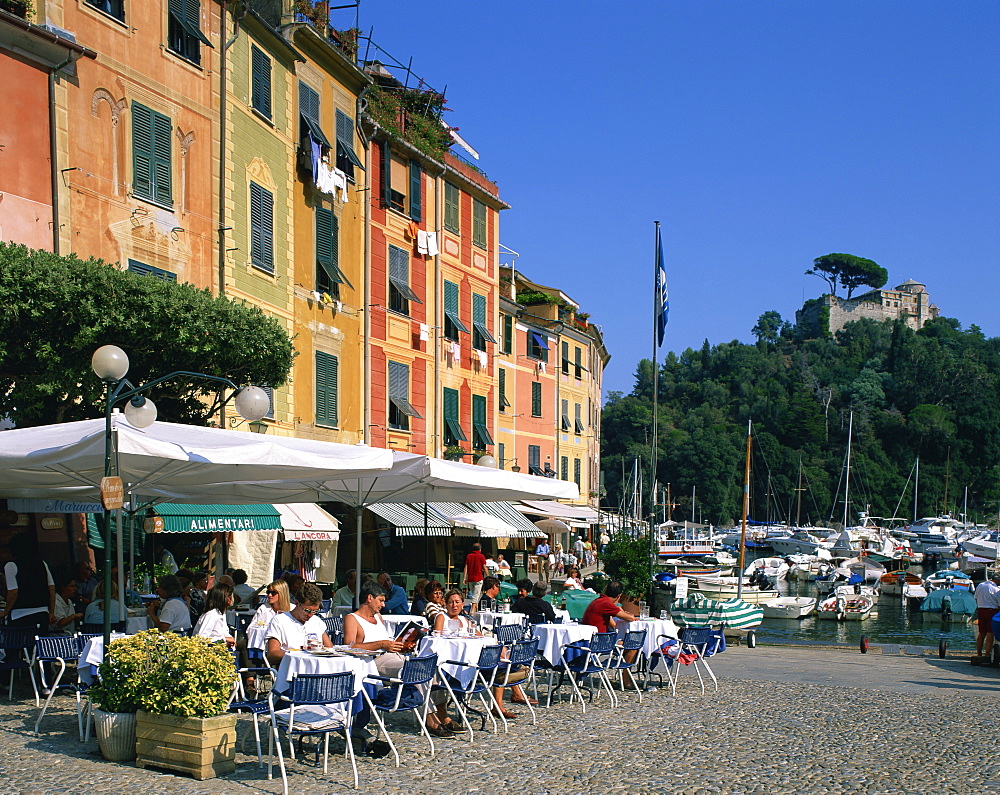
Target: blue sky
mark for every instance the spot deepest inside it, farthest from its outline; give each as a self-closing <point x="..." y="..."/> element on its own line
<point x="761" y="134"/>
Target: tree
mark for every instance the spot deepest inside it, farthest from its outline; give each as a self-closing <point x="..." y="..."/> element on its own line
<point x="850" y="271"/>
<point x="55" y="311"/>
<point x="768" y="327"/>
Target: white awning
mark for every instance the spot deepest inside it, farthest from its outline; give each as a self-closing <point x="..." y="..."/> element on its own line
<point x="305" y="521"/>
<point x="409" y="519"/>
<point x="558" y="510"/>
<point x="507" y="512"/>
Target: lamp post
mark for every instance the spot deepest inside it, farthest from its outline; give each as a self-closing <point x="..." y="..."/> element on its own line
<point x="110" y="364"/>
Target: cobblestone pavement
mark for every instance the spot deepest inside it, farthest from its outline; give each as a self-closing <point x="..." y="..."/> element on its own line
<point x="784" y="721"/>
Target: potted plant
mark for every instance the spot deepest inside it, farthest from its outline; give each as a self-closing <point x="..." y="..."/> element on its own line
<point x="454" y="452"/>
<point x="627" y="559"/>
<point x="115" y="697"/>
<point x="182" y="723"/>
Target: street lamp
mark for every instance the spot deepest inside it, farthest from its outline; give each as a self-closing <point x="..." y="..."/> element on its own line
<point x="110" y="364"/>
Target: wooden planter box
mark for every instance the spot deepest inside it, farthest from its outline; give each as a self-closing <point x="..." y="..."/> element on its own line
<point x="202" y="747"/>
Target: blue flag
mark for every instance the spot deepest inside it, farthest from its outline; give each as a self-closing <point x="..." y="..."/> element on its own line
<point x="662" y="298"/>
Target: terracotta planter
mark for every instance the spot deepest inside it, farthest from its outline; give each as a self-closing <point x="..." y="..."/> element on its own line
<point x="202" y="747"/>
<point x="115" y="733"/>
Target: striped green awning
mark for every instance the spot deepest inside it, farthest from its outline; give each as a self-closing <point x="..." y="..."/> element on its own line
<point x="696" y="610"/>
<point x="96" y="539"/>
<point x="178" y="518"/>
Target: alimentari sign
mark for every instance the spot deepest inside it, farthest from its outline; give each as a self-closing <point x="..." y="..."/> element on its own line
<point x="222" y="524"/>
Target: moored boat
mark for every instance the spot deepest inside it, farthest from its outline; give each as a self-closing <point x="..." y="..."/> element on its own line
<point x="894" y="582"/>
<point x="949" y="604"/>
<point x="848" y="603"/>
<point x="789" y="607"/>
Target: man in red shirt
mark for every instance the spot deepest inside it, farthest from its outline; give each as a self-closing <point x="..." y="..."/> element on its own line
<point x="475" y="570"/>
<point x="604" y="609"/>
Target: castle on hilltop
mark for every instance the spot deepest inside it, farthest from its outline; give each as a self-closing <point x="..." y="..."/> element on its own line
<point x="909" y="302"/>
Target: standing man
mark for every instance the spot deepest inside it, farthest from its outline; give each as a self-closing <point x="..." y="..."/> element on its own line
<point x="605" y="540"/>
<point x="542" y="552"/>
<point x="475" y="570"/>
<point x="395" y="597"/>
<point x="987" y="603"/>
<point x="579" y="549"/>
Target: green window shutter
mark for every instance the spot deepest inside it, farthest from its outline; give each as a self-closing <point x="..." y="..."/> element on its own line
<point x="142" y="151"/>
<point x="479" y="223"/>
<point x="449" y="407"/>
<point x="564" y="468"/>
<point x="502" y="388"/>
<point x="385" y="158"/>
<point x="450" y="404"/>
<point x="328" y="246"/>
<point x="565" y="415"/>
<point x="451" y="312"/>
<point x="134" y="266"/>
<point x="192" y="16"/>
<point x="309" y="115"/>
<point x="536" y="399"/>
<point x="162" y="191"/>
<point x="576" y="470"/>
<point x="578" y="419"/>
<point x="261" y="227"/>
<point x="326" y="389"/>
<point x="478" y="308"/>
<point x="565" y="358"/>
<point x="260" y="81"/>
<point x="415" y="184"/>
<point x="578" y="364"/>
<point x="451" y="208"/>
<point x="508" y="333"/>
<point x="480" y="430"/>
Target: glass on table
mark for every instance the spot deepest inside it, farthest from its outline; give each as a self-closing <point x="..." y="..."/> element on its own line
<point x="664" y="615"/>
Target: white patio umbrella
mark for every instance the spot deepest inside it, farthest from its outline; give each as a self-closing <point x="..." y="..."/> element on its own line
<point x="481" y="525"/>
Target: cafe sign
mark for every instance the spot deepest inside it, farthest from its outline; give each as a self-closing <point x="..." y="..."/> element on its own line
<point x="112" y="493"/>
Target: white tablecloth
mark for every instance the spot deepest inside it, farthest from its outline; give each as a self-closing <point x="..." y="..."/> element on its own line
<point x="302" y="662"/>
<point x="393" y="623"/>
<point x="490" y="619"/>
<point x="552" y="637"/>
<point x="464" y="650"/>
<point x="655" y="627"/>
<point x="137" y="624"/>
<point x="92" y="656"/>
<point x="257" y="634"/>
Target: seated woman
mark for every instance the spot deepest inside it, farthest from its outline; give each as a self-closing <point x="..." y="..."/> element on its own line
<point x="419" y="601"/>
<point x="65" y="614"/>
<point x="212" y="623"/>
<point x="276" y="601"/>
<point x="503" y="569"/>
<point x="435" y="601"/>
<point x="173" y="616"/>
<point x="95" y="610"/>
<point x="573" y="580"/>
<point x="452" y="619"/>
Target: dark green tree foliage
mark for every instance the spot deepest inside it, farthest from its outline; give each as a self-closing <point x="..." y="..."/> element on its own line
<point x="626" y="559"/>
<point x="850" y="271"/>
<point x="56" y="311"/>
<point x="933" y="393"/>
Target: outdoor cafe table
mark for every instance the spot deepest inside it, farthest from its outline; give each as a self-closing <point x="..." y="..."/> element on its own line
<point x="257" y="634"/>
<point x="490" y="618"/>
<point x="303" y="662"/>
<point x="552" y="637"/>
<point x="655" y="629"/>
<point x="91" y="656"/>
<point x="465" y="650"/>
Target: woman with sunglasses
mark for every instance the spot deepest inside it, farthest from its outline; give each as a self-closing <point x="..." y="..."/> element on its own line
<point x="299" y="628"/>
<point x="435" y="601"/>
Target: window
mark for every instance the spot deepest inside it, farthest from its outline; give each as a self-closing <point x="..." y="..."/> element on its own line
<point x="326" y="389"/>
<point x="535" y="460"/>
<point x="565" y="416"/>
<point x="480" y="431"/>
<point x="114" y="8"/>
<point x="329" y="276"/>
<point x="536" y="398"/>
<point x="577" y="419"/>
<point x="309" y="125"/>
<point x="538" y="346"/>
<point x="478" y="223"/>
<point x="260" y="81"/>
<point x="501" y="457"/>
<point x="400" y="292"/>
<point x="270" y="402"/>
<point x="502" y="388"/>
<point x="453" y="433"/>
<point x="400" y="408"/>
<point x="564" y="468"/>
<point x="508" y="334"/>
<point x="451" y="208"/>
<point x="395" y="180"/>
<point x="452" y="324"/>
<point x="261" y="228"/>
<point x="148" y="270"/>
<point x="184" y="35"/>
<point x="565" y="358"/>
<point x="347" y="158"/>
<point x="151" y="172"/>
<point x="576" y="471"/>
<point x="480" y="333"/>
<point x="578" y="364"/>
<point x="416" y="185"/>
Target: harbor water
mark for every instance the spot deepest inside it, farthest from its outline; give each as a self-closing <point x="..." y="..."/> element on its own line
<point x="895" y="623"/>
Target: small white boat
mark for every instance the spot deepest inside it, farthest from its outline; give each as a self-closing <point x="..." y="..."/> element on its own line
<point x="775" y="568"/>
<point x="895" y="582"/>
<point x="789" y="607"/>
<point x="848" y="603"/>
<point x="868" y="569"/>
<point x="728" y="587"/>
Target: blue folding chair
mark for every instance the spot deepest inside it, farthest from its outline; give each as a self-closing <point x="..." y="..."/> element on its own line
<point x="408" y="692"/>
<point x="17" y="646"/>
<point x="480" y="684"/>
<point x="517" y="670"/>
<point x="59" y="650"/>
<point x="318" y="705"/>
<point x="582" y="661"/>
<point x="633" y="641"/>
<point x="702" y="642"/>
<point x="335" y="629"/>
<point x="507" y="634"/>
<point x="258" y="703"/>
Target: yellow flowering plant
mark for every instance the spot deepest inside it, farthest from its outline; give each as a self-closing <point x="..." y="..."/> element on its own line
<point x="166" y="674"/>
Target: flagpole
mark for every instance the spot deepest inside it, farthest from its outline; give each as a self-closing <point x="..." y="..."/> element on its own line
<point x="657" y="309"/>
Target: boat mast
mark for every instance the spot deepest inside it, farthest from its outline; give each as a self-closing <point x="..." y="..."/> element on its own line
<point x="947" y="477"/>
<point x="746" y="510"/>
<point x="847" y="476"/>
<point x="798" y="490"/>
<point x="916" y="487"/>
